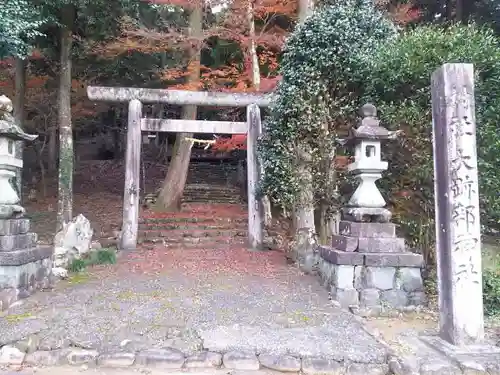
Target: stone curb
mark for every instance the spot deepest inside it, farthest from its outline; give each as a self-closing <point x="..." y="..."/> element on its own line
<point x="172" y="359"/>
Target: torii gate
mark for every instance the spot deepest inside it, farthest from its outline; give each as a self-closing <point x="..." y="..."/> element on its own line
<point x="136" y="123"/>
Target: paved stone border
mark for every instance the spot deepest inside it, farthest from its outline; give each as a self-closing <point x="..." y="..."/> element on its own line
<point x="27" y="352"/>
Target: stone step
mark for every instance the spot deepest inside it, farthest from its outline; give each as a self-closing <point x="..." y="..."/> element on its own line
<point x="194" y="246"/>
<point x="206" y="241"/>
<point x="210" y="221"/>
<point x="176" y="233"/>
<point x="208" y="193"/>
<point x="212" y="200"/>
<point x="194" y="227"/>
<point x="203" y="220"/>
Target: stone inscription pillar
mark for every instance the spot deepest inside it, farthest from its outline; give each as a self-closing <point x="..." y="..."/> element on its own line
<point x="458" y="237"/>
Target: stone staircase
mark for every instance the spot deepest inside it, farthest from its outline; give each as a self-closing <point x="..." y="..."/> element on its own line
<point x="206" y="193"/>
<point x="196" y="226"/>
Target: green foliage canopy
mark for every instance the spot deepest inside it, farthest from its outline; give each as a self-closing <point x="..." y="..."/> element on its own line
<point x="20" y="23"/>
<point x="319" y="65"/>
<point x="399" y="84"/>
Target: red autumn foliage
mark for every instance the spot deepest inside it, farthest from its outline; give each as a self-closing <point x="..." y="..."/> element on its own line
<point x="228" y="144"/>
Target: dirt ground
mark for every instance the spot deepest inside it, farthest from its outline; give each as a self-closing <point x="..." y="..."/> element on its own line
<point x="98" y="196"/>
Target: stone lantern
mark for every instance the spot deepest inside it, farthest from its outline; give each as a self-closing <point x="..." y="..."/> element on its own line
<point x="25" y="266"/>
<point x="372" y="268"/>
<point x="367" y="203"/>
<point x="9" y="133"/>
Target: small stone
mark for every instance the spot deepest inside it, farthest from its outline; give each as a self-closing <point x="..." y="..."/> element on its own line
<point x="343" y="277"/>
<point x="204" y="360"/>
<point x="327" y="273"/>
<point x="82" y="357"/>
<point x="439" y="368"/>
<point x="363" y="369"/>
<point x="28" y="345"/>
<point x="187" y="345"/>
<point x="410" y="279"/>
<point x="358" y="277"/>
<point x="284" y="363"/>
<point x="417" y="298"/>
<point x="48" y="357"/>
<point x="241" y="360"/>
<point x="369" y="297"/>
<point x="60" y="273"/>
<point x="161" y="358"/>
<point x="53" y="343"/>
<point x="403" y="367"/>
<point x="116" y="359"/>
<point x="472" y="368"/>
<point x="395" y="299"/>
<point x="367" y="312"/>
<point x="84" y="344"/>
<point x="345" y="297"/>
<point x="379" y="277"/>
<point x="10" y="355"/>
<point x="321" y="366"/>
<point x="96" y="245"/>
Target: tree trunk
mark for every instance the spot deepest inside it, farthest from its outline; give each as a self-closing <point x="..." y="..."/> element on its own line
<point x="66" y="156"/>
<point x="170" y="197"/>
<point x="19" y="113"/>
<point x="459" y="11"/>
<point x="52" y="150"/>
<point x="266" y="204"/>
<point x="304" y="211"/>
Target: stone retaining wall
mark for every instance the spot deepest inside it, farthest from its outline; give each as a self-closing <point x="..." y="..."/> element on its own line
<point x="366" y="283"/>
<point x="24" y="266"/>
<point x="27" y="353"/>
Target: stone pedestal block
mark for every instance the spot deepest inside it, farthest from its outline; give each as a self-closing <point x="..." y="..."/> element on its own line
<point x="377" y="281"/>
<point x="24" y="266"/>
<point x="369" y="244"/>
<point x="354" y="229"/>
<point x="381" y="245"/>
<point x="14" y="226"/>
<point x="17" y="241"/>
<point x="345" y="243"/>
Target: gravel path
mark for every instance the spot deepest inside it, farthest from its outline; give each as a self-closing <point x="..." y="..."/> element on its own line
<point x="224" y="299"/>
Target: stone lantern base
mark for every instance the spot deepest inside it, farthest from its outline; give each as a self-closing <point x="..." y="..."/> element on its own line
<point x="368" y="268"/>
<point x="24" y="266"/>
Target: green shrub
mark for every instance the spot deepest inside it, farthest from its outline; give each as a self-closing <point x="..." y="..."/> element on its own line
<point x="398" y="82"/>
<point x="101" y="256"/>
<point x="318" y="87"/>
<point x="491" y="292"/>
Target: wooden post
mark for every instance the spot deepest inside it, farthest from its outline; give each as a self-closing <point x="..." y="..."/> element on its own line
<point x="255" y="210"/>
<point x="458" y="230"/>
<point x="130" y="226"/>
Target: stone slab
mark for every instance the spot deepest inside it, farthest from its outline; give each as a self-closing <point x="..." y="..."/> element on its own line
<point x="353" y="229"/>
<point x="367" y="214"/>
<point x="341" y="257"/>
<point x="345" y="243"/>
<point x="393" y="260"/>
<point x="381" y="245"/>
<point x="486" y="356"/>
<point x="20" y="257"/>
<point x="19" y="241"/>
<point x="10" y="227"/>
<point x="345" y="342"/>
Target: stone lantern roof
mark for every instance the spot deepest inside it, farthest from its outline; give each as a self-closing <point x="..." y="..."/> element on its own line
<point x="369" y="126"/>
<point x="8" y="127"/>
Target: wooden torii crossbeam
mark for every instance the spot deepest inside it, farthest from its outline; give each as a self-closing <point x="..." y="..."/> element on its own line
<point x="136" y="123"/>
